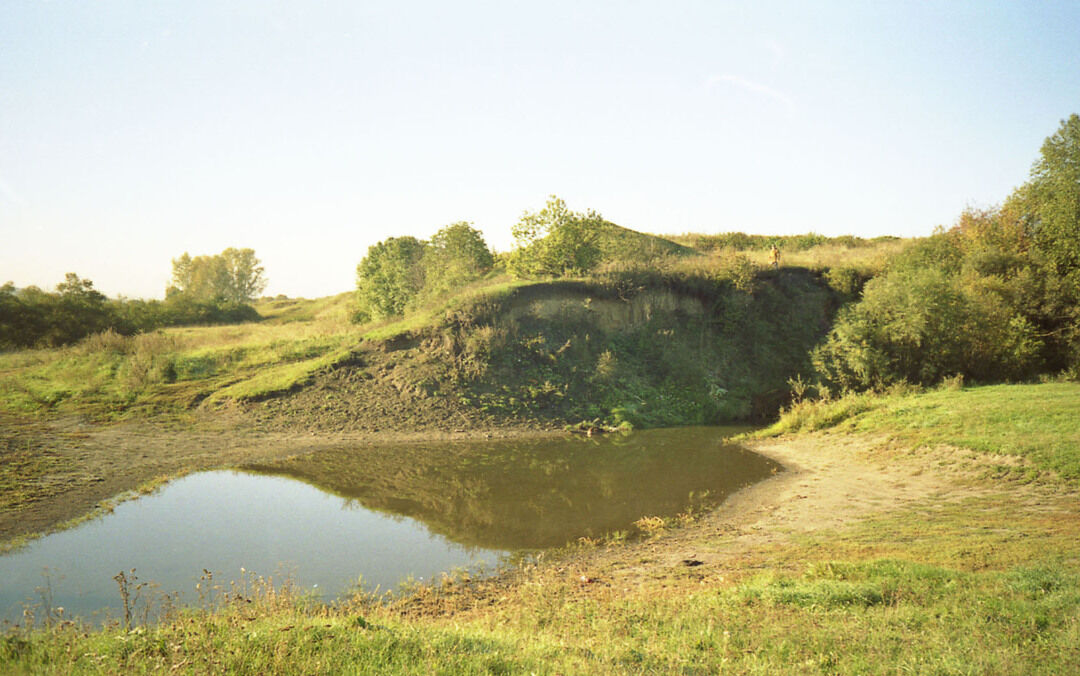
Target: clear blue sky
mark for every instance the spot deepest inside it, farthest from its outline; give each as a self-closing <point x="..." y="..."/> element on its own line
<point x="132" y="131"/>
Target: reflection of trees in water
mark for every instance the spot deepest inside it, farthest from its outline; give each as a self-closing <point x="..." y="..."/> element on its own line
<point x="533" y="493"/>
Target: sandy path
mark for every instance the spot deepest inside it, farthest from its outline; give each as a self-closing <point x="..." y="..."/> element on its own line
<point x="827" y="482"/>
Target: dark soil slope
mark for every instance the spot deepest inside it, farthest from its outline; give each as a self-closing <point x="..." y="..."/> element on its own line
<point x="647" y="354"/>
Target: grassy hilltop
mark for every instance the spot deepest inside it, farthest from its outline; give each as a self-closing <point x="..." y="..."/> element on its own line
<point x="710" y="335"/>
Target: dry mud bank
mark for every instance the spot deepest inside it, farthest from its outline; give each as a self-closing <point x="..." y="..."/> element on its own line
<point x="831" y="485"/>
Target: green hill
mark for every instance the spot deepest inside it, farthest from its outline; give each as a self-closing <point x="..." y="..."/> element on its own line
<point x="641" y="347"/>
<point x="622" y="244"/>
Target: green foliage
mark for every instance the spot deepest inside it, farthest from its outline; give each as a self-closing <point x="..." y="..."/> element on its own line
<point x="389" y="277"/>
<point x="996" y="297"/>
<point x="211" y="289"/>
<point x="455" y="256"/>
<point x="977" y="300"/>
<point x="77" y="310"/>
<point x="846" y="281"/>
<point x="233" y="277"/>
<point x="401" y="272"/>
<point x="556" y="242"/>
<point x="1048" y="208"/>
<point x="1054" y="198"/>
<point x="32" y="317"/>
<point x="920" y="323"/>
<point x="182" y="310"/>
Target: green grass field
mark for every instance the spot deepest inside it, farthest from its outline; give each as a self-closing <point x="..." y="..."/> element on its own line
<point x="1038" y="423"/>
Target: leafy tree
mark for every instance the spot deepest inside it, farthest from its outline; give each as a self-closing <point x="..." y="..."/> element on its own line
<point x="244" y="274"/>
<point x="202" y="277"/>
<point x="232" y="277"/>
<point x="78" y="310"/>
<point x="556" y="241"/>
<point x="921" y="324"/>
<point x="455" y="255"/>
<point x="996" y="297"/>
<point x="964" y="301"/>
<point x="1053" y="197"/>
<point x="389" y="277"/>
<point x="19" y="323"/>
<point x="32" y="317"/>
<point x="1049" y="204"/>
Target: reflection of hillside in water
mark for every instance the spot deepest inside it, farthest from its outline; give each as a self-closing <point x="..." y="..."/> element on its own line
<point x="530" y="494"/>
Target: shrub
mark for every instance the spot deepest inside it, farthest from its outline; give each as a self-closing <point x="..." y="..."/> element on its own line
<point x="455" y="256"/>
<point x="920" y="325"/>
<point x="389" y="277"/>
<point x="556" y="241"/>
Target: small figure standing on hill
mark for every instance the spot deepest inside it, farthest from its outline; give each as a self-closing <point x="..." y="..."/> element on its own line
<point x="774" y="257"/>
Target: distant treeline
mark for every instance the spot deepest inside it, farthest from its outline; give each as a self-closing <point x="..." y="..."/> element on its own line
<point x="204" y="290"/>
<point x="740" y="241"/>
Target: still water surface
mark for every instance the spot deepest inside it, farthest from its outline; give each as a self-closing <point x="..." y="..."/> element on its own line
<point x="380" y="514"/>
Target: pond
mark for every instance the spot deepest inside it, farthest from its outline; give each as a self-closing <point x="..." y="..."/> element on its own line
<point x="376" y="514"/>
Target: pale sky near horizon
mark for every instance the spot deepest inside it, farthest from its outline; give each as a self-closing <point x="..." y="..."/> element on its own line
<point x="131" y="132"/>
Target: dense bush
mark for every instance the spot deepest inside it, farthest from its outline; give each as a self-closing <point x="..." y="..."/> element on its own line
<point x="389" y="277"/>
<point x="995" y="298"/>
<point x="556" y="242"/>
<point x="455" y="256"/>
<point x="921" y="324"/>
<point x="34" y="317"/>
<point x="401" y="272"/>
<point x="31" y="317"/>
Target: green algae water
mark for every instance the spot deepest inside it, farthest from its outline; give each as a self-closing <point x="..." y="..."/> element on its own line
<point x="375" y="514"/>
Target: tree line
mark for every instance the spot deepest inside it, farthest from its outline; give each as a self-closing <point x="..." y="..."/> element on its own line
<point x="994" y="298"/>
<point x="214" y="289"/>
<point x="400" y="273"/>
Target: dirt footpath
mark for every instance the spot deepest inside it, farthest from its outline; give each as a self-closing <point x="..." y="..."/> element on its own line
<point x="828" y="481"/>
